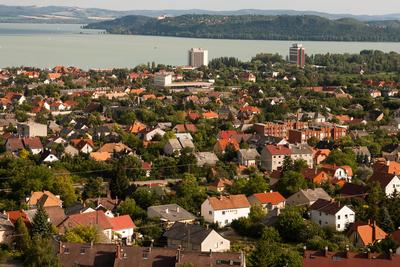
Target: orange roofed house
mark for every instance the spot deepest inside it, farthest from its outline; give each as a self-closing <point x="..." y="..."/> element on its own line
<point x="268" y="200"/>
<point x="112" y="228"/>
<point x="222" y="210"/>
<point x="221" y="145"/>
<point x="43" y="199"/>
<point x="220" y="185"/>
<point x="364" y="234"/>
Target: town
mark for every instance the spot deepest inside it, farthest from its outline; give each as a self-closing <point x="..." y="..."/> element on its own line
<point x="272" y="162"/>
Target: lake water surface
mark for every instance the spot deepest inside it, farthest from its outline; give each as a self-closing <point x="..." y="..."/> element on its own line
<point x="48" y="45"/>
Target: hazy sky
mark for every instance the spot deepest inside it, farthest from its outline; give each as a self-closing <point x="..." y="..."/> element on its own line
<point x="332" y="6"/>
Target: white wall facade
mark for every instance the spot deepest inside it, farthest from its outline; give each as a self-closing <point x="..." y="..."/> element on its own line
<point x="222" y="217"/>
<point x="215" y="243"/>
<point x="340" y="220"/>
<point x="393" y="186"/>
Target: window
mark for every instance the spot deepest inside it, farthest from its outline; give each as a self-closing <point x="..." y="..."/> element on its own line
<point x="223" y="212"/>
<point x="338" y="226"/>
<point x="226" y="221"/>
<point x="82" y="251"/>
<point x="320" y="222"/>
<point x="66" y="250"/>
<point x="320" y="213"/>
<point x="210" y="212"/>
<point x="346" y="216"/>
<point x="338" y="217"/>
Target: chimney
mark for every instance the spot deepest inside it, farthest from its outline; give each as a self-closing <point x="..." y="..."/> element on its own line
<point x="177" y="209"/>
<point x="60" y="247"/>
<point x="210" y="254"/>
<point x="118" y="251"/>
<point x="166" y="210"/>
<point x="369" y="256"/>
<point x="178" y="255"/>
<point x="151" y="245"/>
<point x="373" y="231"/>
<point x="91" y="244"/>
<point x="326" y="251"/>
<point x="304" y="251"/>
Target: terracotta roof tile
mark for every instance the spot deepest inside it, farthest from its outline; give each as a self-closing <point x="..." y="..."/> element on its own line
<point x="122" y="222"/>
<point x="271" y="197"/>
<point x="229" y="202"/>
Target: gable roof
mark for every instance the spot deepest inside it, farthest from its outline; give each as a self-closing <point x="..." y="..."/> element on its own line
<point x="114" y="147"/>
<point x="121" y="222"/>
<point x="315" y="194"/>
<point x="193" y="233"/>
<point x="170" y="212"/>
<point x="368" y="232"/>
<point x="88" y="219"/>
<point x="278" y="150"/>
<point x="229" y="202"/>
<point x="349" y="259"/>
<point x="271" y="197"/>
<point x="44" y="199"/>
<point x="351" y="189"/>
<point x="249" y="154"/>
<point x="32" y="142"/>
<point x="15" y="143"/>
<point x="326" y="206"/>
<point x="382" y="178"/>
<point x="387" y="167"/>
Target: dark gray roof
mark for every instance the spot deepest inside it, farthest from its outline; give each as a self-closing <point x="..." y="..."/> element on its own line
<point x="192" y="233"/>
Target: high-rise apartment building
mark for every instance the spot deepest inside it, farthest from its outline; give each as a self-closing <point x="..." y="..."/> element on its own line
<point x="297" y="55"/>
<point x="198" y="57"/>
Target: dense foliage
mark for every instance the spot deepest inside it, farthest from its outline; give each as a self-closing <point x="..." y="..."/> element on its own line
<point x="255" y="27"/>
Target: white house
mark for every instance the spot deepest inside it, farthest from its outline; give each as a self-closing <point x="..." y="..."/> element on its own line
<point x="390" y="183"/>
<point x="196" y="238"/>
<point x="339" y="172"/>
<point x="330" y="213"/>
<point x="48" y="157"/>
<point x="152" y="133"/>
<point x="222" y="210"/>
<point x="122" y="227"/>
<point x="248" y="157"/>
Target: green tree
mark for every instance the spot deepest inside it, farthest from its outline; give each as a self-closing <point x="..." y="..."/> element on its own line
<point x="83" y="234"/>
<point x="255" y="184"/>
<point x="291" y="182"/>
<point x="386" y="222"/>
<point x="41" y="254"/>
<point x="93" y="188"/>
<point x="22" y="237"/>
<point x="41" y="226"/>
<point x="64" y="187"/>
<point x="289" y="224"/>
<point x="257" y="213"/>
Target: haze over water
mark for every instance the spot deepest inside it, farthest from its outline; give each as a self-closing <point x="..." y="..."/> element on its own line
<point x="48" y="45"/>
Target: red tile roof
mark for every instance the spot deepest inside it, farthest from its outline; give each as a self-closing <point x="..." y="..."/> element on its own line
<point x="122" y="222"/>
<point x="87" y="219"/>
<point x="32" y="142"/>
<point x="271" y="197"/>
<point x="318" y="259"/>
<point x="226" y="134"/>
<point x="278" y="150"/>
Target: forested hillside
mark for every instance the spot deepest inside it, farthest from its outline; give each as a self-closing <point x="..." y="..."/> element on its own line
<point x="256" y="27"/>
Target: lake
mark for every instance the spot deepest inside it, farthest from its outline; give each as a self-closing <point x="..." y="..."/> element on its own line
<point x="48" y="45"/>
